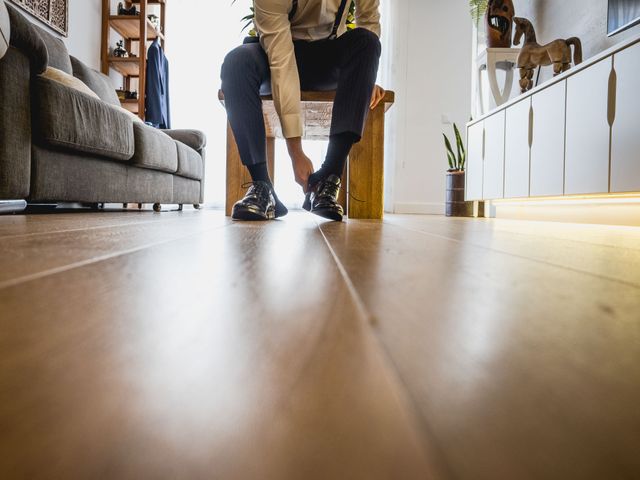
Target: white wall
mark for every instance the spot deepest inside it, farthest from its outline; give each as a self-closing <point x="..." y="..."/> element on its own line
<point x="430" y="69"/>
<point x="85" y="24"/>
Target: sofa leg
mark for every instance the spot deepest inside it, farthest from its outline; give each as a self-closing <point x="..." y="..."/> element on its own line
<point x="12" y="206"/>
<point x="197" y="206"/>
<point x="157" y="207"/>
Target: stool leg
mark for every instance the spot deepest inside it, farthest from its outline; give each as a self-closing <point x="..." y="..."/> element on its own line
<point x="237" y="174"/>
<point x="366" y="170"/>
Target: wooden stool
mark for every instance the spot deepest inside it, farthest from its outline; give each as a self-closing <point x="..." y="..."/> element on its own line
<point x="362" y="192"/>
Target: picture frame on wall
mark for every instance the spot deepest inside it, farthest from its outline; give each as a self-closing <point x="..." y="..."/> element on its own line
<point x="53" y="13"/>
<point x="622" y="15"/>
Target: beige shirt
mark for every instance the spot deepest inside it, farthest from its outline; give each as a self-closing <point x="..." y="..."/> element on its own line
<point x="314" y="20"/>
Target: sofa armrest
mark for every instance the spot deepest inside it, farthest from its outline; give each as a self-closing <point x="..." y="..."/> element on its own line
<point x="15" y="125"/>
<point x="192" y="138"/>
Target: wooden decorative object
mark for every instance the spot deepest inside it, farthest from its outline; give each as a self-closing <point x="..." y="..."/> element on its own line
<point x="499" y="23"/>
<point x="533" y="55"/>
<point x="54" y="13"/>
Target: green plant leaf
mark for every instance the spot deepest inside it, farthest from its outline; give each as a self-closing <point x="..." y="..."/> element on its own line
<point x="462" y="154"/>
<point x="452" y="161"/>
<point x="478" y="8"/>
<point x="450" y="155"/>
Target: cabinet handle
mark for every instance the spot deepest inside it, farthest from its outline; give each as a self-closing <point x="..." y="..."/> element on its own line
<point x="613" y="88"/>
<point x="531" y="126"/>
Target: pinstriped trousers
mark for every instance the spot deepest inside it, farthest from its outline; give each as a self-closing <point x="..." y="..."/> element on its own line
<point x="348" y="64"/>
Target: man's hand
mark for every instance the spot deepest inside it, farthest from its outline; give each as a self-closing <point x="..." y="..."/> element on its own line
<point x="302" y="166"/>
<point x="376" y="98"/>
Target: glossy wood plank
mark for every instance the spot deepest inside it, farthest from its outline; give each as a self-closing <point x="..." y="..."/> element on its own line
<point x="609" y="252"/>
<point x="34" y="224"/>
<point x="28" y="256"/>
<point x="233" y="354"/>
<point x="520" y="369"/>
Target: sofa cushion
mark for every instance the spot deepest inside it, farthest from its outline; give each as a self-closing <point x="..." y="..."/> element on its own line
<point x="193" y="138"/>
<point x="57" y="51"/>
<point x="69" y="119"/>
<point x="96" y="81"/>
<point x="25" y="38"/>
<point x="190" y="164"/>
<point x="68" y="81"/>
<point x="154" y="149"/>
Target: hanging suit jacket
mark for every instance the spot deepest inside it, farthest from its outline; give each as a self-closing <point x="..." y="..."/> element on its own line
<point x="157" y="111"/>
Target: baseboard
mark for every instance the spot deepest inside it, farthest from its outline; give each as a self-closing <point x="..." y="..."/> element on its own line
<point x="621" y="210"/>
<point x="419" y="208"/>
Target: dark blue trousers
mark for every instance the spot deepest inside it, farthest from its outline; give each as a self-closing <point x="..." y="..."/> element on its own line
<point x="348" y="64"/>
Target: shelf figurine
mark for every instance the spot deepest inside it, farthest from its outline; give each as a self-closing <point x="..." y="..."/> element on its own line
<point x="533" y="55"/>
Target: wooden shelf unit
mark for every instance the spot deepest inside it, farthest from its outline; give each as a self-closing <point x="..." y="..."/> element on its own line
<point x="132" y="29"/>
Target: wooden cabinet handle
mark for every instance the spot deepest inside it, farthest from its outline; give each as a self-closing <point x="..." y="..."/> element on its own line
<point x="613" y="88"/>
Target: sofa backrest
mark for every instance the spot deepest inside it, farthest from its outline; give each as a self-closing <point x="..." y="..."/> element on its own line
<point x="96" y="81"/>
<point x="57" y="50"/>
<point x="25" y="38"/>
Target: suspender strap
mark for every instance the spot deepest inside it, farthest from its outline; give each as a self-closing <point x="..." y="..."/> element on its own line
<point x="294" y="9"/>
<point x="338" y="22"/>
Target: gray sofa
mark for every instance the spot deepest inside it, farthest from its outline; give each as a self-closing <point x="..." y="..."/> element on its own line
<point x="61" y="145"/>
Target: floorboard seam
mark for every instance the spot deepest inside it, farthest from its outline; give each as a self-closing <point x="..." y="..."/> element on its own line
<point x="102" y="258"/>
<point x="71" y="230"/>
<point x="522" y="257"/>
<point x="406" y="397"/>
<point x="362" y="308"/>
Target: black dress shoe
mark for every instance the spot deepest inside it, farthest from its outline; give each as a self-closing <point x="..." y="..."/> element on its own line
<point x="322" y="199"/>
<point x="259" y="203"/>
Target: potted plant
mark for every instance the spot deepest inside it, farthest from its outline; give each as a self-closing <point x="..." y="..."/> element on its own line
<point x="456" y="205"/>
<point x="498" y="18"/>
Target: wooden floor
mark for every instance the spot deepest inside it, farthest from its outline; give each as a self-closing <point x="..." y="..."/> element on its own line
<point x="181" y="345"/>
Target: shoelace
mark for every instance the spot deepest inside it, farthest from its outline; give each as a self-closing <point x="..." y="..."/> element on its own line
<point x="258" y="189"/>
<point x="329" y="189"/>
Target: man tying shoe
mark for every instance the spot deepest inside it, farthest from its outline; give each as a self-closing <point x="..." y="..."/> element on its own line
<point x="303" y="45"/>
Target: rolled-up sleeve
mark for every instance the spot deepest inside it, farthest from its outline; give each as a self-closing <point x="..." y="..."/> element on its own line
<point x="368" y="15"/>
<point x="272" y="22"/>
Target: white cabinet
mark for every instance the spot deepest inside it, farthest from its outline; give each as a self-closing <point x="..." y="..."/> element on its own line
<point x="517" y="150"/>
<point x="587" y="137"/>
<point x="625" y="146"/>
<point x="475" y="156"/>
<point x="547" y="146"/>
<point x="493" y="179"/>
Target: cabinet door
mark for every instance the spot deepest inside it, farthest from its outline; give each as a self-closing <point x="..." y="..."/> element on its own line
<point x="475" y="155"/>
<point x="516" y="151"/>
<point x="493" y="183"/>
<point x="547" y="142"/>
<point x="625" y="147"/>
<point x="587" y="150"/>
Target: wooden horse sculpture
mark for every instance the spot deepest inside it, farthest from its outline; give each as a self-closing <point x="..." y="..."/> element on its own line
<point x="532" y="55"/>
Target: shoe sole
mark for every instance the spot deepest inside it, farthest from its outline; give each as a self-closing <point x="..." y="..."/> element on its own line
<point x="252" y="215"/>
<point x="329" y="215"/>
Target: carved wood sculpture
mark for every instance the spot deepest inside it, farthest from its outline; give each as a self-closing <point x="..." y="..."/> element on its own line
<point x="499" y="23"/>
<point x="533" y="55"/>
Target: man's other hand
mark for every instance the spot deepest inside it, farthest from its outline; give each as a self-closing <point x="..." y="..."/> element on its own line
<point x="376" y="98"/>
<point x="302" y="165"/>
